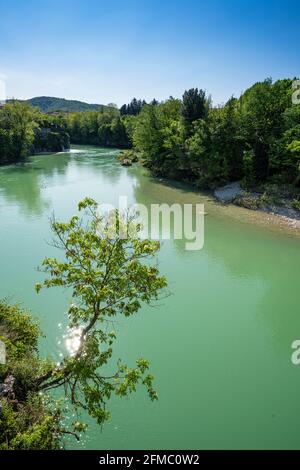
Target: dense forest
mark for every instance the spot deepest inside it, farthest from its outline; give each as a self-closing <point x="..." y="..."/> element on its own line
<point x="253" y="139"/>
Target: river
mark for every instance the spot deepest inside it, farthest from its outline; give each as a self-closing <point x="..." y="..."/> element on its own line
<point x="219" y="345"/>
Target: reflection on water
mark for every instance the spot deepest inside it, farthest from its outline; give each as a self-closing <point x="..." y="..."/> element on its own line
<point x="73" y="340"/>
<point x="26" y="195"/>
<point x="219" y="345"/>
<point x="26" y="185"/>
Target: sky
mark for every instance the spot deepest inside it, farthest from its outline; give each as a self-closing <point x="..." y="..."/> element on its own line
<point x="111" y="51"/>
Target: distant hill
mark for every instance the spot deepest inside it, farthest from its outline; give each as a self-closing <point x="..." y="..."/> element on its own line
<point x="48" y="104"/>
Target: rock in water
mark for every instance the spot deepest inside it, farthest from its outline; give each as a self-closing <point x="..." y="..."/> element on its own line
<point x="126" y="162"/>
<point x="229" y="192"/>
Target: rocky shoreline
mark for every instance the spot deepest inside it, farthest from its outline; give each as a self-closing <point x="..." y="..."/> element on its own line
<point x="269" y="200"/>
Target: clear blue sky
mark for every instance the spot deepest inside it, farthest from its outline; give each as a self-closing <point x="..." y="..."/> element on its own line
<point x="109" y="51"/>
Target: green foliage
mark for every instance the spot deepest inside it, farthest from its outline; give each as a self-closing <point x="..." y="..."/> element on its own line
<point x="50" y="141"/>
<point x="32" y="426"/>
<point x="248" y="164"/>
<point x="296" y="204"/>
<point x="263" y="107"/>
<point x="194" y="105"/>
<point x="17" y="125"/>
<point x="27" y="420"/>
<point x="133" y="108"/>
<point x="294" y="148"/>
<point x="18" y="330"/>
<point x="147" y="137"/>
<point x="158" y="136"/>
<point x="105" y="128"/>
<point x="108" y="278"/>
<point x="254" y="138"/>
<point x="24" y="129"/>
<point x="107" y="266"/>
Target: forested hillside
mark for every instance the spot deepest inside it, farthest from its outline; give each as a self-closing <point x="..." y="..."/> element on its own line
<point x="48" y="104"/>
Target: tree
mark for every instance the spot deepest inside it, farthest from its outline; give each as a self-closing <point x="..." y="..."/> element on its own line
<point x="204" y="163"/>
<point x="17" y="125"/>
<point x="129" y="123"/>
<point x="172" y="134"/>
<point x="133" y="108"/>
<point x="123" y="110"/>
<point x="226" y="141"/>
<point x="263" y="107"/>
<point x="283" y="159"/>
<point x="194" y="105"/>
<point x="108" y="277"/>
<point x="119" y="136"/>
<point x="147" y="137"/>
<point x="253" y="138"/>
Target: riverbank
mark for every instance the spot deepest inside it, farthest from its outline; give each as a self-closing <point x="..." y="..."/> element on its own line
<point x="277" y="203"/>
<point x="271" y="199"/>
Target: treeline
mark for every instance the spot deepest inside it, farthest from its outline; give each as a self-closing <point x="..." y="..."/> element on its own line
<point x="133" y="108"/>
<point x="25" y="130"/>
<point x="106" y="128"/>
<point x="111" y="127"/>
<point x="254" y="138"/>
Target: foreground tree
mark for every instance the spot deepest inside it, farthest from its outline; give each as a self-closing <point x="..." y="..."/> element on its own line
<point x="104" y="265"/>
